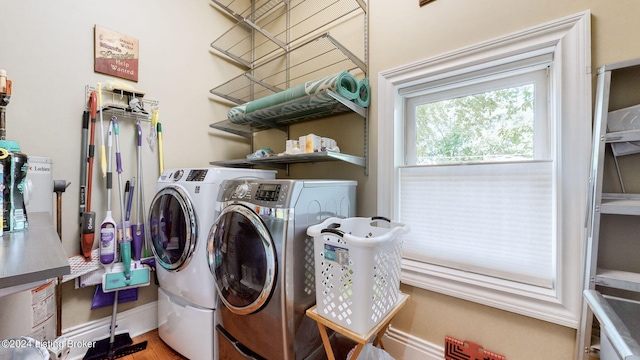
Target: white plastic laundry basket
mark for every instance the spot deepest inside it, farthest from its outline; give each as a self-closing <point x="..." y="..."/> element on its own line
<point x="357" y="269"/>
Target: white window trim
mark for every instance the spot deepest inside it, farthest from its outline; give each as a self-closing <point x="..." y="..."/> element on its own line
<point x="569" y="38"/>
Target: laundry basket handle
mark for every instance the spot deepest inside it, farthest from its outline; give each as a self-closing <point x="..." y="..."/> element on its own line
<point x="335" y="232"/>
<point x="333" y="228"/>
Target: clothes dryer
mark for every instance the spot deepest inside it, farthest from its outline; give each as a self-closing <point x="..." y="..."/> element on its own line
<point x="180" y="217"/>
<point x="262" y="264"/>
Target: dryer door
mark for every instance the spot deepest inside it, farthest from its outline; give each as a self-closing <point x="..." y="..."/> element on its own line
<point x="242" y="258"/>
<point x="173" y="228"/>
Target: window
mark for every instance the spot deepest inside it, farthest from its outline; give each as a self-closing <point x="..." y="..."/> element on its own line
<point x="487" y="161"/>
<point x="485" y="184"/>
<point x="487" y="120"/>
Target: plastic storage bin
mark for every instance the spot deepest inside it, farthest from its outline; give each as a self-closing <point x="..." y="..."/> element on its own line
<point x="357" y="269"/>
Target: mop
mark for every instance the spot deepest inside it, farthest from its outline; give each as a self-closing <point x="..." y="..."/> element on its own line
<point x="128" y="278"/>
<point x="108" y="242"/>
<point x="120" y="345"/>
<point x="108" y="226"/>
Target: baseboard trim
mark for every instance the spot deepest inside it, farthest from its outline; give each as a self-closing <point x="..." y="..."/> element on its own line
<point x="135" y="321"/>
<point x="404" y="346"/>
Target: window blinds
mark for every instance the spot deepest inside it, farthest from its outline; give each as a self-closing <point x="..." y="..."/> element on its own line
<point x="494" y="219"/>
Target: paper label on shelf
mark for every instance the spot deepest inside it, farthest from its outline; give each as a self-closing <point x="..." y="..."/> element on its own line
<point x="43" y="311"/>
<point x="43" y="303"/>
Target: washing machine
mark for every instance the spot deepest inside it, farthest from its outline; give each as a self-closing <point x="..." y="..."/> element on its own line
<point x="180" y="216"/>
<point x="262" y="263"/>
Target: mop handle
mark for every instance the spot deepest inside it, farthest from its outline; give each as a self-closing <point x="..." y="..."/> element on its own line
<point x="139" y="129"/>
<point x="102" y="152"/>
<point x="118" y="157"/>
<point x="109" y="173"/>
<point x="125" y="245"/>
<point x="116" y="131"/>
<point x="140" y="194"/>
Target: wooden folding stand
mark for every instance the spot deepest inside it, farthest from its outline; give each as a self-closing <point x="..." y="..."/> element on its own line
<point x="378" y="330"/>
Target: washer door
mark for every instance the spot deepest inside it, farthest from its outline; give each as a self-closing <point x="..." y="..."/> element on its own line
<point x="242" y="258"/>
<point x="173" y="228"/>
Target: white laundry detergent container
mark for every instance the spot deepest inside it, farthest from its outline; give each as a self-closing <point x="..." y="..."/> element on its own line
<point x="40" y="185"/>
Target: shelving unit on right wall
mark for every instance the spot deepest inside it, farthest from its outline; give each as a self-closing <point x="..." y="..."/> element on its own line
<point x="285" y="43"/>
<point x="609" y="323"/>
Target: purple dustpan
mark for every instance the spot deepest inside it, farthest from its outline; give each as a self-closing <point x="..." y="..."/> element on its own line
<point x="102" y="299"/>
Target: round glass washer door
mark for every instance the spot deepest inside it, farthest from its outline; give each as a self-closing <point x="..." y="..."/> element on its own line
<point x="242" y="258"/>
<point x="173" y="228"/>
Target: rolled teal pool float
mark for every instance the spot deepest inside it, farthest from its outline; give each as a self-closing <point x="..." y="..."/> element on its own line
<point x="364" y="93"/>
<point x="303" y="98"/>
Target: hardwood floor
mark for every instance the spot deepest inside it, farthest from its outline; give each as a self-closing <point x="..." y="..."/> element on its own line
<point x="156" y="349"/>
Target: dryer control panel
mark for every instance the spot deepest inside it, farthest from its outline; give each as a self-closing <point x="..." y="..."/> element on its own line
<point x="271" y="193"/>
<point x="268" y="192"/>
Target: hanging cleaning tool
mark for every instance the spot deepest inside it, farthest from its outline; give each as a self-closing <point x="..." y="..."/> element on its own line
<point x="129" y="189"/>
<point x="103" y="161"/>
<point x="128" y="278"/>
<point x="132" y="187"/>
<point x="59" y="186"/>
<point x="108" y="226"/>
<point x="83" y="163"/>
<point x="117" y="346"/>
<point x="153" y="129"/>
<point x="147" y="234"/>
<point x="160" y="155"/>
<point x="142" y="231"/>
<point x="108" y="231"/>
<point x="89" y="217"/>
<point x="128" y="194"/>
<point x="138" y="227"/>
<point x="126" y="224"/>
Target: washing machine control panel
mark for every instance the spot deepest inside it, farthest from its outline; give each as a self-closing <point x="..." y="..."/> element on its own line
<point x="197" y="175"/>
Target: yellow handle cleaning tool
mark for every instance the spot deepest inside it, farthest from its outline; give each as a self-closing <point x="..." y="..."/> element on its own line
<point x="160" y="155"/>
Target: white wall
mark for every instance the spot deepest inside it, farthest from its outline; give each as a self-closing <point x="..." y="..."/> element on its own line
<point x="47" y="49"/>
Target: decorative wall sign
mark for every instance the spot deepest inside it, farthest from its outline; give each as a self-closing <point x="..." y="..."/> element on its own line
<point x="424" y="2"/>
<point x="115" y="54"/>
